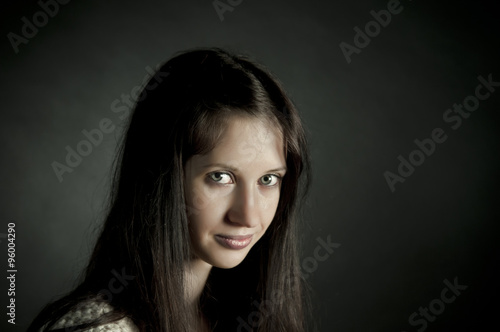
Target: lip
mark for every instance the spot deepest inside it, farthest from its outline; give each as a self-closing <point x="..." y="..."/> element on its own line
<point x="234" y="242"/>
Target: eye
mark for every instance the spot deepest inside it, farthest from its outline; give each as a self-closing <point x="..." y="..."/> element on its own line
<point x="220" y="177"/>
<point x="270" y="180"/>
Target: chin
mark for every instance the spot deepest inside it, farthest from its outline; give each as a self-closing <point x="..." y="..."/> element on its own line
<point x="227" y="265"/>
<point x="227" y="259"/>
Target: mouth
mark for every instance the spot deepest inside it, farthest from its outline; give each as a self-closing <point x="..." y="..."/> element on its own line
<point x="234" y="242"/>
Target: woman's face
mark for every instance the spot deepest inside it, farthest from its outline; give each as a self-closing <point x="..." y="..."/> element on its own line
<point x="232" y="192"/>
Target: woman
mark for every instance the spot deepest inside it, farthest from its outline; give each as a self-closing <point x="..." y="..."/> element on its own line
<point x="201" y="230"/>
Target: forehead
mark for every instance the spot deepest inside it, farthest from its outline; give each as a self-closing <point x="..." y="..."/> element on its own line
<point x="247" y="143"/>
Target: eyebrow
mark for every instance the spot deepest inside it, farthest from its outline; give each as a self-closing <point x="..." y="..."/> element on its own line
<point x="234" y="169"/>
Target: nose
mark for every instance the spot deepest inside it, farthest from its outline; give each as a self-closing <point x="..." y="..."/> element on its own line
<point x="244" y="209"/>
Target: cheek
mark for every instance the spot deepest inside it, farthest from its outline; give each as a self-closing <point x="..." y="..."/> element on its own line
<point x="269" y="200"/>
<point x="207" y="208"/>
<point x="201" y="197"/>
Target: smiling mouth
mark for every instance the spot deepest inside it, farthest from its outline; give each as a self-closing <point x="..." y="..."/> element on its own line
<point x="234" y="242"/>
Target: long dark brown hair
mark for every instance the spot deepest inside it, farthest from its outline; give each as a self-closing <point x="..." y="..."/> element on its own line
<point x="182" y="112"/>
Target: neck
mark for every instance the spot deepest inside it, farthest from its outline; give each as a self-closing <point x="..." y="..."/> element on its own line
<point x="196" y="274"/>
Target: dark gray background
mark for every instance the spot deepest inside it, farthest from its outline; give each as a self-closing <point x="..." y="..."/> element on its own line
<point x="396" y="248"/>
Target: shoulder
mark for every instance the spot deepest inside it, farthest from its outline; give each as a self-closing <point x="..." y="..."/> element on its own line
<point x="89" y="311"/>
